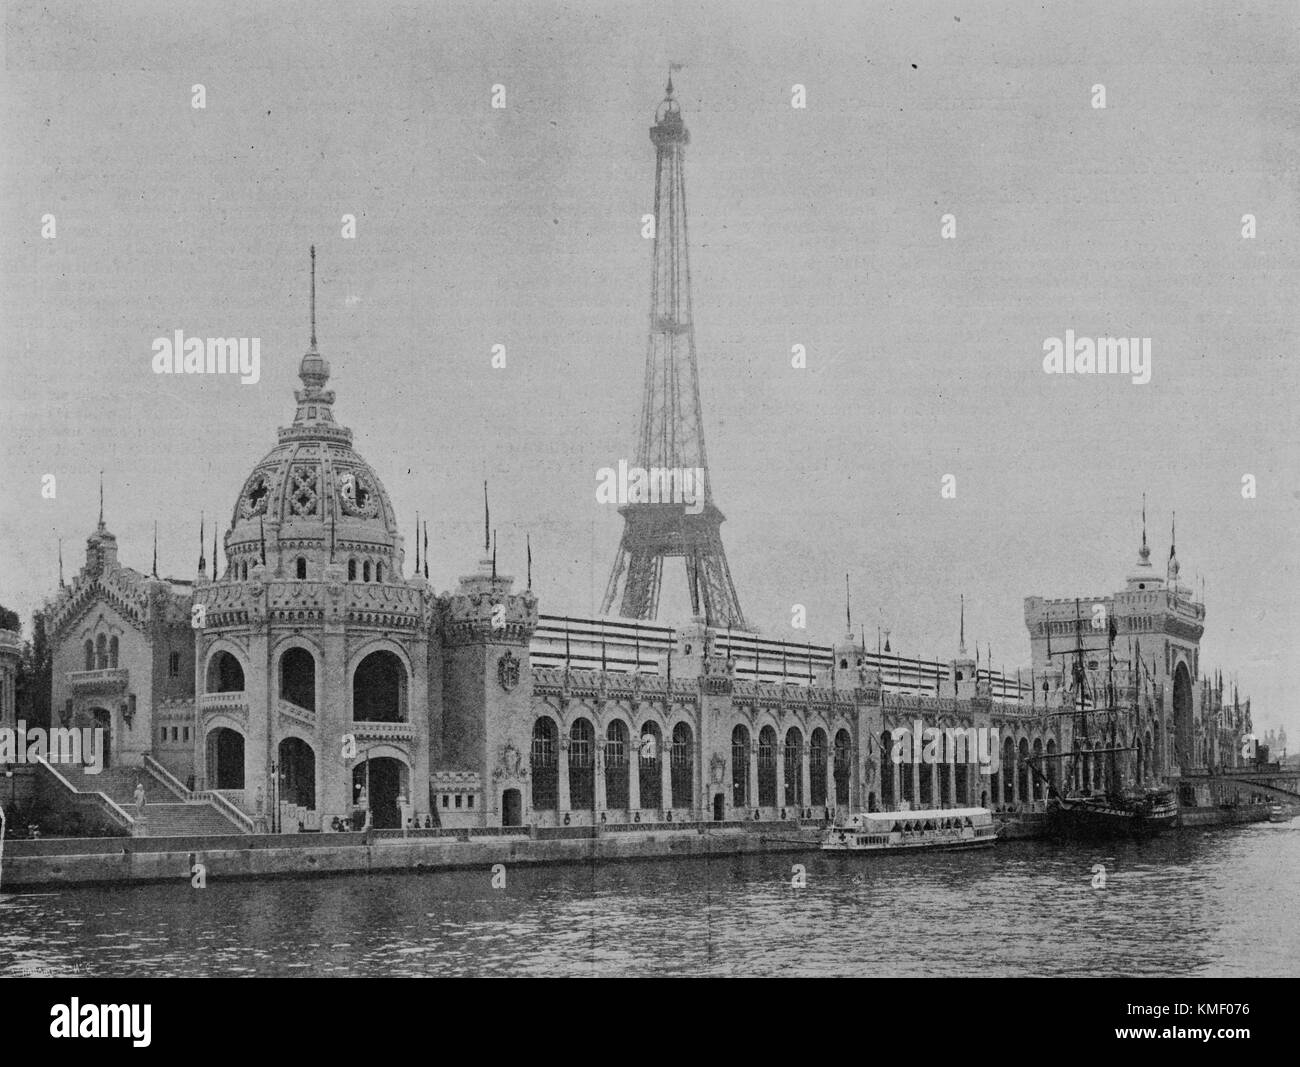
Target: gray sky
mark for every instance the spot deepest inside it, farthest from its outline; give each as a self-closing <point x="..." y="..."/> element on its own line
<point x="820" y="227"/>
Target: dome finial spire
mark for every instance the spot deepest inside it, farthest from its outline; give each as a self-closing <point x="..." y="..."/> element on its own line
<point x="313" y="404"/>
<point x="313" y="298"/>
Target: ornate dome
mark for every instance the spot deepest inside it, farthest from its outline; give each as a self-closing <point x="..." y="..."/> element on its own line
<point x="312" y="497"/>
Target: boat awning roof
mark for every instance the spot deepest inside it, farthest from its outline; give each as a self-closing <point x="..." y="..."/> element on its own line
<point x="924" y="813"/>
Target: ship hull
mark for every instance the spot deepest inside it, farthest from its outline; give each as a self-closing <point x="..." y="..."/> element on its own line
<point x="1093" y="819"/>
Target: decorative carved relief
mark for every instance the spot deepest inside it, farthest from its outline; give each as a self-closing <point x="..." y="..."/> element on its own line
<point x="303" y="496"/>
<point x="254" y="500"/>
<point x="508" y="671"/>
<point x="357" y="496"/>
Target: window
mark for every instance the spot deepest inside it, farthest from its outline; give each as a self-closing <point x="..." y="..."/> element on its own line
<point x="649" y="773"/>
<point x="446" y="800"/>
<point x="793" y="768"/>
<point x="682" y="767"/>
<point x="90" y="655"/>
<point x="817" y="768"/>
<point x="545" y="765"/>
<point x="365" y="571"/>
<point x="843" y="769"/>
<point x="301" y="568"/>
<point x="379" y="572"/>
<point x="352" y="570"/>
<point x="616" y="765"/>
<point x="459" y="798"/>
<point x="582" y="781"/>
<point x="767" y="767"/>
<point x="174" y="665"/>
<point x="101" y="653"/>
<point x="469" y="801"/>
<point x="740" y="767"/>
<point x="112" y="652"/>
<point x="187" y="733"/>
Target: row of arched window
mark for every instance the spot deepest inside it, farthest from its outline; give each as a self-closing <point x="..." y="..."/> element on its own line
<point x="622" y="753"/>
<point x="791" y="755"/>
<point x="364" y="569"/>
<point x="101" y="654"/>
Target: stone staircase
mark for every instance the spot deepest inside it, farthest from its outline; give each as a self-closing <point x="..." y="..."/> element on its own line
<point x="165" y="813"/>
<point x="186" y="818"/>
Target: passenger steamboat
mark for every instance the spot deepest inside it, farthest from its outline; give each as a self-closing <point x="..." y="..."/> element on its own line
<point x="936" y="829"/>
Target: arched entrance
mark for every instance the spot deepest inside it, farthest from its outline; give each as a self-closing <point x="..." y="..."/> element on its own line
<point x="297" y="773"/>
<point x="512" y="808"/>
<point x="377" y="783"/>
<point x="103" y="721"/>
<point x="225" y="757"/>
<point x="1183" y="724"/>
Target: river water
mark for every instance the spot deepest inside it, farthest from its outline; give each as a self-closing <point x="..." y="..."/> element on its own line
<point x="1221" y="902"/>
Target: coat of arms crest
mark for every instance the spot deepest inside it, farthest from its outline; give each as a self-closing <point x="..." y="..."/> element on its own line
<point x="508" y="671"/>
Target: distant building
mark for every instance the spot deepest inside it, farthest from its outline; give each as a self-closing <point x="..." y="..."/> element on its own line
<point x="11" y="654"/>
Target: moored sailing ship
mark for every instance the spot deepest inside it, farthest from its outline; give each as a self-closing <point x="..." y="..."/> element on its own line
<point x="1123" y="806"/>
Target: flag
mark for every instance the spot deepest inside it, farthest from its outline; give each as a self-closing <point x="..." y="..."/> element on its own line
<point x="426" y="548"/>
<point x="528" y="541"/>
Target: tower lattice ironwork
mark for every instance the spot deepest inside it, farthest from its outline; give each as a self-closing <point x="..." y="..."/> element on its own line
<point x="671" y="438"/>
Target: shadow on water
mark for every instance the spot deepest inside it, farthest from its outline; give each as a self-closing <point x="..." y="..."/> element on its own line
<point x="1213" y="902"/>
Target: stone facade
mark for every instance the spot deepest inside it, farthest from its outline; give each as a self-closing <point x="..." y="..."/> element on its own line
<point x="310" y="681"/>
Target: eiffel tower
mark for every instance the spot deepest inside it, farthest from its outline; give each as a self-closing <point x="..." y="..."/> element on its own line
<point x="672" y="428"/>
